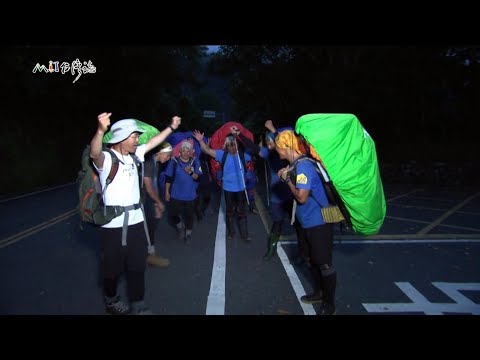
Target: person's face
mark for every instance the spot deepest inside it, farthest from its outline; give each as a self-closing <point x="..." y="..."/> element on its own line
<point x="130" y="143"/>
<point x="164" y="157"/>
<point x="283" y="153"/>
<point x="185" y="153"/>
<point x="231" y="148"/>
<point x="270" y="144"/>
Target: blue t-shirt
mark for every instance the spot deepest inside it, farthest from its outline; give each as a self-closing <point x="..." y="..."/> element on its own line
<point x="309" y="214"/>
<point x="184" y="187"/>
<point x="233" y="172"/>
<point x="279" y="191"/>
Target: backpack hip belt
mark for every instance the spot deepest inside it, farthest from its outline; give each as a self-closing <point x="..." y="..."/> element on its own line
<point x="119" y="210"/>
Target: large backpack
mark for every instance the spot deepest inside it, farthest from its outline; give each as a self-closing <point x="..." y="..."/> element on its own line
<point x="347" y="155"/>
<point x="91" y="207"/>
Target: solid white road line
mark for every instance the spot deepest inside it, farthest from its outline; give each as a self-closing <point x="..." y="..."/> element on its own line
<point x="216" y="296"/>
<point x="294" y="280"/>
<point x="36" y="192"/>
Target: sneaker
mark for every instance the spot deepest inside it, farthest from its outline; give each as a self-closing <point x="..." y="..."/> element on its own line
<point x="312" y="298"/>
<point x="140" y="308"/>
<point x="158" y="261"/>
<point x="254" y="211"/>
<point x="181" y="233"/>
<point x="116" y="307"/>
<point x="229" y="236"/>
<point x="188" y="240"/>
<point x="326" y="309"/>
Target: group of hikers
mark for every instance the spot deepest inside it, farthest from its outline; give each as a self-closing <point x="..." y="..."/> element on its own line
<point x="295" y="191"/>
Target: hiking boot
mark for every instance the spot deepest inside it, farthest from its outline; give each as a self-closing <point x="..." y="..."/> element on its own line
<point x="116" y="306"/>
<point x="326" y="309"/>
<point x="188" y="240"/>
<point x="140" y="308"/>
<point x="158" y="261"/>
<point x="312" y="298"/>
<point x="242" y="227"/>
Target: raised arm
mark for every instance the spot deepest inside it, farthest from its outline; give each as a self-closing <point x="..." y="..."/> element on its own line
<point x="249" y="144"/>
<point x="270" y="127"/>
<point x="96" y="153"/>
<point x="160" y="137"/>
<point x="205" y="148"/>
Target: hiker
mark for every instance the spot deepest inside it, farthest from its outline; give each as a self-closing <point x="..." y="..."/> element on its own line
<point x="124" y="239"/>
<point x="251" y="184"/>
<point x="204" y="189"/>
<point x="154" y="207"/>
<point x="309" y="193"/>
<point x="181" y="184"/>
<point x="280" y="197"/>
<point x="233" y="184"/>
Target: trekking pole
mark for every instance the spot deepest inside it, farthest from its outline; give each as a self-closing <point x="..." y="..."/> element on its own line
<point x="244" y="170"/>
<point x="266" y="182"/>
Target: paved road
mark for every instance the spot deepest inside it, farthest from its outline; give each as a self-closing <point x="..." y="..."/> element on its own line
<point x="424" y="261"/>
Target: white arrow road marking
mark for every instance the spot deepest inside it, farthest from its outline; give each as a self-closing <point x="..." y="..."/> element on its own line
<point x="462" y="304"/>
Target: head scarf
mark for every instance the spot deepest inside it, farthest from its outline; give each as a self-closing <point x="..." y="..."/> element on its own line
<point x="165" y="147"/>
<point x="288" y="140"/>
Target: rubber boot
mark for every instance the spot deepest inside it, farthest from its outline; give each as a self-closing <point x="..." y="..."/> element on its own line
<point x="329" y="286"/>
<point x="243" y="229"/>
<point x="273" y="240"/>
<point x="229" y="222"/>
<point x="272" y="246"/>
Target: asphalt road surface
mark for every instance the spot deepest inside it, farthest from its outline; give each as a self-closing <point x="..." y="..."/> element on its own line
<point x="424" y="261"/>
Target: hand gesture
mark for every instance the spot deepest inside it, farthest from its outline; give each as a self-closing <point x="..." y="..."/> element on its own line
<point x="234" y="130"/>
<point x="159" y="209"/>
<point x="198" y="135"/>
<point x="104" y="121"/>
<point x="176" y="121"/>
<point x="283" y="174"/>
<point x="269" y="125"/>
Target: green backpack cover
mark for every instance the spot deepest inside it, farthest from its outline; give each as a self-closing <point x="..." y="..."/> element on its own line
<point x="348" y="154"/>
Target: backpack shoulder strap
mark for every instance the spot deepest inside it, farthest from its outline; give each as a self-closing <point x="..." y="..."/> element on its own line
<point x="242" y="157"/>
<point x="140" y="169"/>
<point x="175" y="165"/>
<point x="114" y="168"/>
<point x="224" y="158"/>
